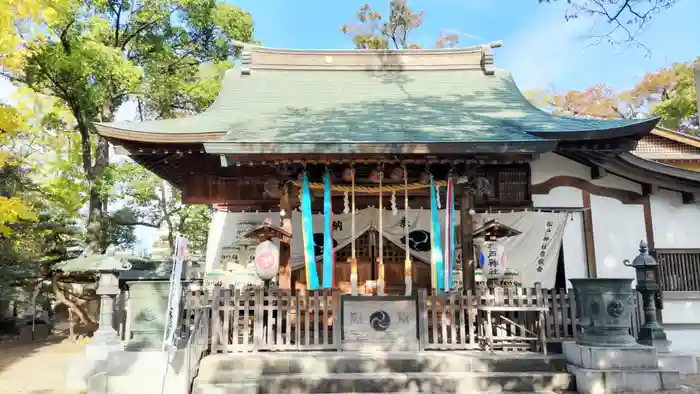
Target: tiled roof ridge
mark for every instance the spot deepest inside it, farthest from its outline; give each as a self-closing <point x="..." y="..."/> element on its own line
<point x="478" y="57"/>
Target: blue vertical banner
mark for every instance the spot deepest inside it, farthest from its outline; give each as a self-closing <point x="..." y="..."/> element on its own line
<point x="328" y="253"/>
<point x="308" y="234"/>
<point x="450" y="220"/>
<point x="436" y="256"/>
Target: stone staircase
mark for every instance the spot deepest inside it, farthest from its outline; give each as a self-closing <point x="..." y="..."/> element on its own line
<point x="382" y="372"/>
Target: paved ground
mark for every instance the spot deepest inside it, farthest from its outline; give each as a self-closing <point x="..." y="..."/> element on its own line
<point x="37" y="368"/>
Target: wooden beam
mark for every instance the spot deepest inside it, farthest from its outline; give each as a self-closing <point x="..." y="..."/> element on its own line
<point x="285" y="273"/>
<point x="649" y="189"/>
<point x="688" y="198"/>
<point x="466" y="228"/>
<point x="648" y="223"/>
<point x="598" y="172"/>
<point x="588" y="235"/>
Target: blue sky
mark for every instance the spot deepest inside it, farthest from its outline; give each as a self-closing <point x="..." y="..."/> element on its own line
<point x="540" y="48"/>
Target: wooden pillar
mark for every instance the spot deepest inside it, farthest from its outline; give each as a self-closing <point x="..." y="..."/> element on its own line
<point x="588" y="235"/>
<point x="466" y="228"/>
<point x="285" y="274"/>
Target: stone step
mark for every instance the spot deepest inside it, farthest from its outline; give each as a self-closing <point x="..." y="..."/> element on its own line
<point x="223" y="389"/>
<point x="392" y="382"/>
<point x="358" y="362"/>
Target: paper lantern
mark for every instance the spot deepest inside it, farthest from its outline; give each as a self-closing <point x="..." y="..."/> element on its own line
<point x="267" y="260"/>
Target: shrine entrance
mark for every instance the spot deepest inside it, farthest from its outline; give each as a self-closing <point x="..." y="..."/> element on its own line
<point x="367" y="250"/>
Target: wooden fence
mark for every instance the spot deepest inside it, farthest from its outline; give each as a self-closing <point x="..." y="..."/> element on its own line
<point x="283" y="320"/>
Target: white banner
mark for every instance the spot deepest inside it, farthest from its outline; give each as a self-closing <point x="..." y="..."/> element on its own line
<point x="175" y="294"/>
<point x="534" y="253"/>
<point x="417" y="220"/>
<point x="225" y="246"/>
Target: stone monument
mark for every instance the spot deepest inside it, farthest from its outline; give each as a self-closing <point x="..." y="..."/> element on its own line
<point x="379" y="323"/>
<point x="606" y="357"/>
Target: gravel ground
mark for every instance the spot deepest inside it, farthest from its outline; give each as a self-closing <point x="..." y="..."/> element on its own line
<point x="37" y="368"/>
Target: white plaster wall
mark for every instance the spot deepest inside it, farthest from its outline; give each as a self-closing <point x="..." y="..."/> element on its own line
<point x="548" y="166"/>
<point x="617" y="230"/>
<point x="681" y="320"/>
<point x="574" y="248"/>
<point x="617" y="227"/>
<point x="676" y="225"/>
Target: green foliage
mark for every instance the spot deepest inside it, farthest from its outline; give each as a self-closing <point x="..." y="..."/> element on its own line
<point x="668" y="92"/>
<point x="150" y="201"/>
<point x="94" y="56"/>
<point x="677" y="99"/>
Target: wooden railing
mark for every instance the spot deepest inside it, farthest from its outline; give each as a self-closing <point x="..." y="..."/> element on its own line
<point x="280" y="320"/>
<point x="679" y="270"/>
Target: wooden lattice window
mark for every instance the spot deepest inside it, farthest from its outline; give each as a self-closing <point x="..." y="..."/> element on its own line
<point x="509" y="186"/>
<point x="679" y="270"/>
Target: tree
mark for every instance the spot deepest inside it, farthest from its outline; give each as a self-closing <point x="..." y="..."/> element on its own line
<point x="152" y="202"/>
<point x="31" y="12"/>
<point x="623" y="19"/>
<point x="668" y="92"/>
<point x="374" y="31"/>
<point x="97" y="55"/>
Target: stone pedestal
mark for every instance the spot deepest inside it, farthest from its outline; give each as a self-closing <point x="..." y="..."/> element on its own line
<point x="601" y="370"/>
<point x="606" y="358"/>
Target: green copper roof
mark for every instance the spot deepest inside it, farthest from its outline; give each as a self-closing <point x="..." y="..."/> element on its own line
<point x="279" y="107"/>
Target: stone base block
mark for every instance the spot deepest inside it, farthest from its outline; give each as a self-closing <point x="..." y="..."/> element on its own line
<point x="686" y="364"/>
<point x="229" y="388"/>
<point x="125" y="372"/>
<point x="79" y="369"/>
<point x="594" y="381"/>
<point x="381" y="346"/>
<point x="590" y="357"/>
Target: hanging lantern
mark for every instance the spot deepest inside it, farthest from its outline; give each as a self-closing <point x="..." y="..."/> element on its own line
<point x="397" y="174"/>
<point x="347" y="175"/>
<point x="376" y="175"/>
<point x="272" y="189"/>
<point x="425" y="178"/>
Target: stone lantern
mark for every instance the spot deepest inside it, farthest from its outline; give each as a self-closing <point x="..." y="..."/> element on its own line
<point x="107" y="266"/>
<point x="651" y="333"/>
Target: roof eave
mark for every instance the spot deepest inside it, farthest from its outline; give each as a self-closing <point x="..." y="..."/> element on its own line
<point x="344" y="147"/>
<point x="641" y="128"/>
<point x="107" y="130"/>
<point x="676" y="136"/>
<point x="660" y="168"/>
